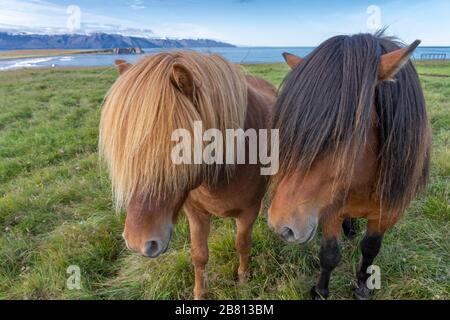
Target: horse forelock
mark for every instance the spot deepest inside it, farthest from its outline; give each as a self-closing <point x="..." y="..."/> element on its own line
<point x="326" y="107"/>
<point x="144" y="107"/>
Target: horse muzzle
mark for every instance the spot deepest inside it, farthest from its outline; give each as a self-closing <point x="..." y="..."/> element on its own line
<point x="298" y="233"/>
<point x="153" y="247"/>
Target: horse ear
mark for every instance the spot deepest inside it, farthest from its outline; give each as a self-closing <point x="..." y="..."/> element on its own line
<point x="392" y="62"/>
<point x="292" y="60"/>
<point x="123" y="66"/>
<point x="183" y="80"/>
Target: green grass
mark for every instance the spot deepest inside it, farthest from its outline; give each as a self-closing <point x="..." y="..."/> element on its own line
<point x="56" y="210"/>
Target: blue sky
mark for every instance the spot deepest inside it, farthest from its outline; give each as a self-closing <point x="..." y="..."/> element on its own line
<point x="241" y="22"/>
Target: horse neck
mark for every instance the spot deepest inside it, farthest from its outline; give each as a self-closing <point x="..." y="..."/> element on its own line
<point x="261" y="97"/>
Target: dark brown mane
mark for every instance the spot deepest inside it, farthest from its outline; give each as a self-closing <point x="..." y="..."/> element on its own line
<point x="325" y="107"/>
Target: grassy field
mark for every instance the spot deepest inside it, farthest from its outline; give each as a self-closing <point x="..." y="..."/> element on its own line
<point x="56" y="210"/>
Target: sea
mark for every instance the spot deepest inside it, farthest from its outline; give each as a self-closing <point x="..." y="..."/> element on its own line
<point x="245" y="55"/>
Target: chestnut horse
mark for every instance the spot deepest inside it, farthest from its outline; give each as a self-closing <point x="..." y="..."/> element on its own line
<point x="354" y="143"/>
<point x="149" y="101"/>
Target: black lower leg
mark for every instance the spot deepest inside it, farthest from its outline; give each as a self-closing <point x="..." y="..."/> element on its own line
<point x="349" y="227"/>
<point x="330" y="256"/>
<point x="370" y="247"/>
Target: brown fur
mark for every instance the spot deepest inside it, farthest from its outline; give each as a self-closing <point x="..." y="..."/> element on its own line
<point x="352" y="145"/>
<point x="234" y="191"/>
<point x="151" y="100"/>
<point x="329" y="105"/>
<point x="122" y="65"/>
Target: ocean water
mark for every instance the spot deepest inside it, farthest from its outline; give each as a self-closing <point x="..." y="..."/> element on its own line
<point x="251" y="55"/>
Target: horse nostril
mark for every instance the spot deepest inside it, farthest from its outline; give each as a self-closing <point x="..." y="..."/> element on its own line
<point x="152" y="248"/>
<point x="287" y="234"/>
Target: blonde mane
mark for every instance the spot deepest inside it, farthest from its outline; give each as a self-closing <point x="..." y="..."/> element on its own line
<point x="145" y="106"/>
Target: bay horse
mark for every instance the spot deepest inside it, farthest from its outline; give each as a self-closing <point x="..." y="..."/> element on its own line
<point x="162" y="93"/>
<point x="354" y="143"/>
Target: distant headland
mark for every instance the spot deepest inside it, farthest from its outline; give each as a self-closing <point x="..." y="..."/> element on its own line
<point x="21" y="41"/>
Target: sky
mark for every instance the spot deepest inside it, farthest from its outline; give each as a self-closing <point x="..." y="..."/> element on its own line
<point x="240" y="22"/>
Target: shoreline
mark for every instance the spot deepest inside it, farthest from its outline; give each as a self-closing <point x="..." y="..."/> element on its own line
<point x="43" y="53"/>
<point x="21" y="56"/>
<point x="103" y="68"/>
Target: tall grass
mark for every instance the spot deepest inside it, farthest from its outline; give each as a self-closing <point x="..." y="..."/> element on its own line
<point x="56" y="210"/>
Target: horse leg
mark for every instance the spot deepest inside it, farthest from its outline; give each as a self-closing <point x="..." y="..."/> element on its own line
<point x="349" y="227"/>
<point x="370" y="247"/>
<point x="199" y="225"/>
<point x="329" y="256"/>
<point x="243" y="242"/>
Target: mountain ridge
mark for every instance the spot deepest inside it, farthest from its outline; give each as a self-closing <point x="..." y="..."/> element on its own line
<point x="19" y="41"/>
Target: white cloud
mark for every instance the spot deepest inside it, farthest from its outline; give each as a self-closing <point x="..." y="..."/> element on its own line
<point x="39" y="16"/>
<point x="292" y="26"/>
<point x="137" y="5"/>
<point x="45" y="17"/>
<point x="30" y="13"/>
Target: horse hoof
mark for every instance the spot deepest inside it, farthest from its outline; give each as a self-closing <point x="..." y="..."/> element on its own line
<point x="243" y="277"/>
<point x="200" y="295"/>
<point x="315" y="295"/>
<point x="362" y="293"/>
